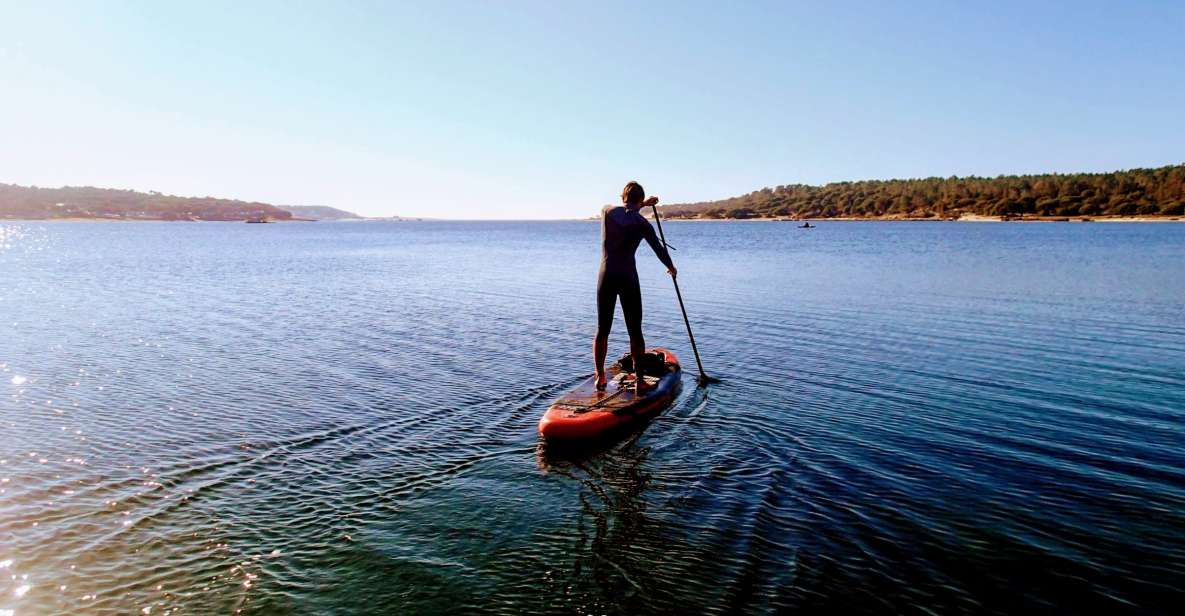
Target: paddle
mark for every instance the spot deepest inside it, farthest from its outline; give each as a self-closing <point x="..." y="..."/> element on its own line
<point x="704" y="379"/>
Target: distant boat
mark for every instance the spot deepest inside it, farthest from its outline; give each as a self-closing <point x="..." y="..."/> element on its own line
<point x="806" y="225"/>
<point x="258" y="220"/>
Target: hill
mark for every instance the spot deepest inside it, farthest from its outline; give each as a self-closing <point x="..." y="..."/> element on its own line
<point x="31" y="202"/>
<point x="1136" y="192"/>
<point x="320" y="212"/>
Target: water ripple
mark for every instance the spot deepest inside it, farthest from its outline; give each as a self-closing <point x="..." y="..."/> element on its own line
<point x="340" y="418"/>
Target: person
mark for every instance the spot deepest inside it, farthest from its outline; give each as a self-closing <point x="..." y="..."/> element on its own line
<point x="622" y="229"/>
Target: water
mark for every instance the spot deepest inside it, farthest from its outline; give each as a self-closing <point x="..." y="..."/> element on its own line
<point x="338" y="418"/>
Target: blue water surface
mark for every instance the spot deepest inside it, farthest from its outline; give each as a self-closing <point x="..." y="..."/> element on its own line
<point x="339" y="418"/>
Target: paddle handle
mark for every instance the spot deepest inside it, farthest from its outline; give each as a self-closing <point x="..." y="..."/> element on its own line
<point x="699" y="364"/>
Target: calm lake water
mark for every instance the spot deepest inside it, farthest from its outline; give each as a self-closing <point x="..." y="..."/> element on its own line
<point x="339" y="418"/>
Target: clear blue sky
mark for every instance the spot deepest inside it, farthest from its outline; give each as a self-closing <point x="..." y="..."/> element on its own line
<point x="543" y="110"/>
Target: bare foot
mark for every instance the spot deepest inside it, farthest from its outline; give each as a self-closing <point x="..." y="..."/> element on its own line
<point x="601" y="381"/>
<point x="641" y="387"/>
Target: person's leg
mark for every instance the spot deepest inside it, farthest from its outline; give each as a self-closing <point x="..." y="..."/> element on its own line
<point x="631" y="307"/>
<point x="600" y="349"/>
<point x="606" y="301"/>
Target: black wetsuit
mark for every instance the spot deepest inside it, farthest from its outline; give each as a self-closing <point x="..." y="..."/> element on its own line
<point x="621" y="232"/>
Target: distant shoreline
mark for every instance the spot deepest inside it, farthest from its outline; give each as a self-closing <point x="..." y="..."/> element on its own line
<point x="294" y="219"/>
<point x="1128" y="195"/>
<point x="963" y="218"/>
<point x="98" y="219"/>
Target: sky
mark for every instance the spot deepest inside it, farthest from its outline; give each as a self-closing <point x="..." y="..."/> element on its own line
<point x="517" y="110"/>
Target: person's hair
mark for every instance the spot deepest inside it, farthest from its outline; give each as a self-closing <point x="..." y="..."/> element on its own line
<point x="633" y="193"/>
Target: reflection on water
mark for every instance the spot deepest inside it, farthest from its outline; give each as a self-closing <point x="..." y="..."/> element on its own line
<point x="340" y="418"/>
<point x="610" y="526"/>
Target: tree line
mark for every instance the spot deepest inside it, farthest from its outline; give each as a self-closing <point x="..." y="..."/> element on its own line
<point x="31" y="202"/>
<point x="1135" y="192"/>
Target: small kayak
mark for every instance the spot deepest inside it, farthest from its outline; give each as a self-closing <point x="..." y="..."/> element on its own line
<point x="586" y="412"/>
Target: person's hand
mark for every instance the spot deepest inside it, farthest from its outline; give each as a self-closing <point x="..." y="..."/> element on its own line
<point x="673" y="271"/>
<point x="650" y="201"/>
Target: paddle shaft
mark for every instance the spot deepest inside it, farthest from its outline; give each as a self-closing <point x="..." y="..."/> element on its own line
<point x="702" y="375"/>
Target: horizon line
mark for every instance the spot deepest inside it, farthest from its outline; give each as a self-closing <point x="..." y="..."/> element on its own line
<point x="593" y="216"/>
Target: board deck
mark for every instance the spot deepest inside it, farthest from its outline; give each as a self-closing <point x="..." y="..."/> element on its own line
<point x="586" y="412"/>
<point x="618" y="394"/>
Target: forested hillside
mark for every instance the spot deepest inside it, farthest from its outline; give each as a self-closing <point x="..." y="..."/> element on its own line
<point x="30" y="202"/>
<point x="320" y="212"/>
<point x="1137" y="192"/>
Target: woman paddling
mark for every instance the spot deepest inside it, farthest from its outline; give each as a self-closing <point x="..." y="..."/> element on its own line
<point x="622" y="229"/>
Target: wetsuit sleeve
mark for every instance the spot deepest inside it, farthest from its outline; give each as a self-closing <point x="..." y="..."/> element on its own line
<point x="652" y="239"/>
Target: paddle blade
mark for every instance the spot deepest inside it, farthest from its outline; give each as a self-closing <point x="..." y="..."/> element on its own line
<point x="705" y="380"/>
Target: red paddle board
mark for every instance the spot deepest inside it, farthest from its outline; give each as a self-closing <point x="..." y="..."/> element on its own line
<point x="587" y="412"/>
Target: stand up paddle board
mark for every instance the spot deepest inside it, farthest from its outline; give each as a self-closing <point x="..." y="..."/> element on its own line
<point x="587" y="412"/>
